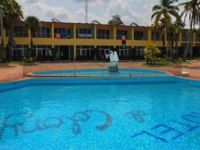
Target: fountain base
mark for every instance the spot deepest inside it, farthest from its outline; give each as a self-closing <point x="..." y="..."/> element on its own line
<point x="112" y="67"/>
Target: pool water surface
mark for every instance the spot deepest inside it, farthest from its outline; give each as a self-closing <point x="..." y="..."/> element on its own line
<point x="104" y="115"/>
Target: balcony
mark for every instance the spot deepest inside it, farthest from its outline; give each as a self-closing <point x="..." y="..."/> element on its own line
<point x="84" y="36"/>
<point x="42" y="35"/>
<point x="104" y="36"/>
<point x="140" y="38"/>
<point x="63" y="35"/>
<point x="119" y="37"/>
<point x="21" y="34"/>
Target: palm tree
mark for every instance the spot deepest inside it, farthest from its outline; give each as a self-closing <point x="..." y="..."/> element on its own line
<point x="32" y="23"/>
<point x="193" y="31"/>
<point x="166" y="9"/>
<point x="177" y="26"/>
<point x="192" y="9"/>
<point x="12" y="13"/>
<point x="2" y="3"/>
<point x="162" y="28"/>
<point x="154" y="34"/>
<point x="174" y="31"/>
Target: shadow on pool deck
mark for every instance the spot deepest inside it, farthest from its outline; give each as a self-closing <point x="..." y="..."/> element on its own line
<point x="15" y="72"/>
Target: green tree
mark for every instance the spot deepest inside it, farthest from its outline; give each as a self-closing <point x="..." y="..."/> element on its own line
<point x="193" y="31"/>
<point x="191" y="9"/>
<point x="166" y="9"/>
<point x="3" y="3"/>
<point x="116" y="20"/>
<point x="12" y="13"/>
<point x="33" y="24"/>
<point x="174" y="31"/>
<point x="151" y="52"/>
<point x="178" y="26"/>
<point x="162" y="28"/>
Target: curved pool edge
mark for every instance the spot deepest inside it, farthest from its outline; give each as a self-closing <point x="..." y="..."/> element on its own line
<point x="76" y="81"/>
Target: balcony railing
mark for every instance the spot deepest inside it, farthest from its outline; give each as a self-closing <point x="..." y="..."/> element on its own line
<point x="85" y="36"/>
<point x="104" y="36"/>
<point x="119" y="37"/>
<point x="156" y="38"/>
<point x="140" y="38"/>
<point x="42" y="35"/>
<point x="21" y="34"/>
<point x="63" y="35"/>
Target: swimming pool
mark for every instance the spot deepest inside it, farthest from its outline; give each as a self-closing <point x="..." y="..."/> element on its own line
<point x="102" y="72"/>
<point x="124" y="113"/>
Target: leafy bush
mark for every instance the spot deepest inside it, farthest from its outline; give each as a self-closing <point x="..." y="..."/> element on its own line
<point x="151" y="52"/>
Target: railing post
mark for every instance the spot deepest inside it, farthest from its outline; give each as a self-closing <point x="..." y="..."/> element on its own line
<point x="35" y="67"/>
<point x="130" y="69"/>
<point x="47" y="67"/>
<point x="61" y="68"/>
<point x="102" y="68"/>
<point x="23" y="67"/>
<point x="143" y="72"/>
<point x="181" y="66"/>
<point x="156" y="68"/>
<point x="88" y="69"/>
<point x="169" y="68"/>
<point x="74" y="68"/>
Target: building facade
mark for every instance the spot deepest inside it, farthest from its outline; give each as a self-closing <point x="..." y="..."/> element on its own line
<point x="69" y="41"/>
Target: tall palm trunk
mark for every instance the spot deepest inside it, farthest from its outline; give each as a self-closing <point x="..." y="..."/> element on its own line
<point x="191" y="44"/>
<point x="163" y="41"/>
<point x="188" y="45"/>
<point x="1" y="21"/>
<point x="31" y="44"/>
<point x="171" y="46"/>
<point x="176" y="45"/>
<point x="11" y="41"/>
<point x="10" y="33"/>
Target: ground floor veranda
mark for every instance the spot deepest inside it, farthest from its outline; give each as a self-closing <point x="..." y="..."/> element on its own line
<point x="70" y="52"/>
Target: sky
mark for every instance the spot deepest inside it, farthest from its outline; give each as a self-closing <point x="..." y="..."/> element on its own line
<point x="137" y="11"/>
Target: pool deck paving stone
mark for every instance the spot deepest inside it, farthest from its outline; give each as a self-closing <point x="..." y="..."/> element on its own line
<point x="14" y="72"/>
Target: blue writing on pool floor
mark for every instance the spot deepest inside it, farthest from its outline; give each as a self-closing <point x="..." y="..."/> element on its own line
<point x="193" y="117"/>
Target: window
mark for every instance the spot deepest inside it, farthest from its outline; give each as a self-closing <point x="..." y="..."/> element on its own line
<point x="21" y="50"/>
<point x="155" y="36"/>
<point x="103" y="34"/>
<point x="83" y="33"/>
<point x="20" y="32"/>
<point x="184" y="37"/>
<point x="44" y="33"/>
<point x="197" y="37"/>
<point x="64" y="32"/>
<point x="140" y="35"/>
<point x="120" y="33"/>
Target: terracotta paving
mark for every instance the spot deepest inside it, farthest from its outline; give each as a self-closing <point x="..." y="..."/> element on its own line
<point x="15" y="72"/>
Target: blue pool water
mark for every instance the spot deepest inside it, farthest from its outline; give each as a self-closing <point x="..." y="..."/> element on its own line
<point x="102" y="72"/>
<point x="100" y="114"/>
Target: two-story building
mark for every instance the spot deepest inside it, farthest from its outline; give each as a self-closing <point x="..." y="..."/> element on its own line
<point x="80" y="41"/>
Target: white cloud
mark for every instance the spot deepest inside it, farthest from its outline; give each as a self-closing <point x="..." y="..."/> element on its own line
<point x="138" y="11"/>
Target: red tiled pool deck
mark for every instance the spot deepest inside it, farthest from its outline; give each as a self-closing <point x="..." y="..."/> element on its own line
<point x="14" y="72"/>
